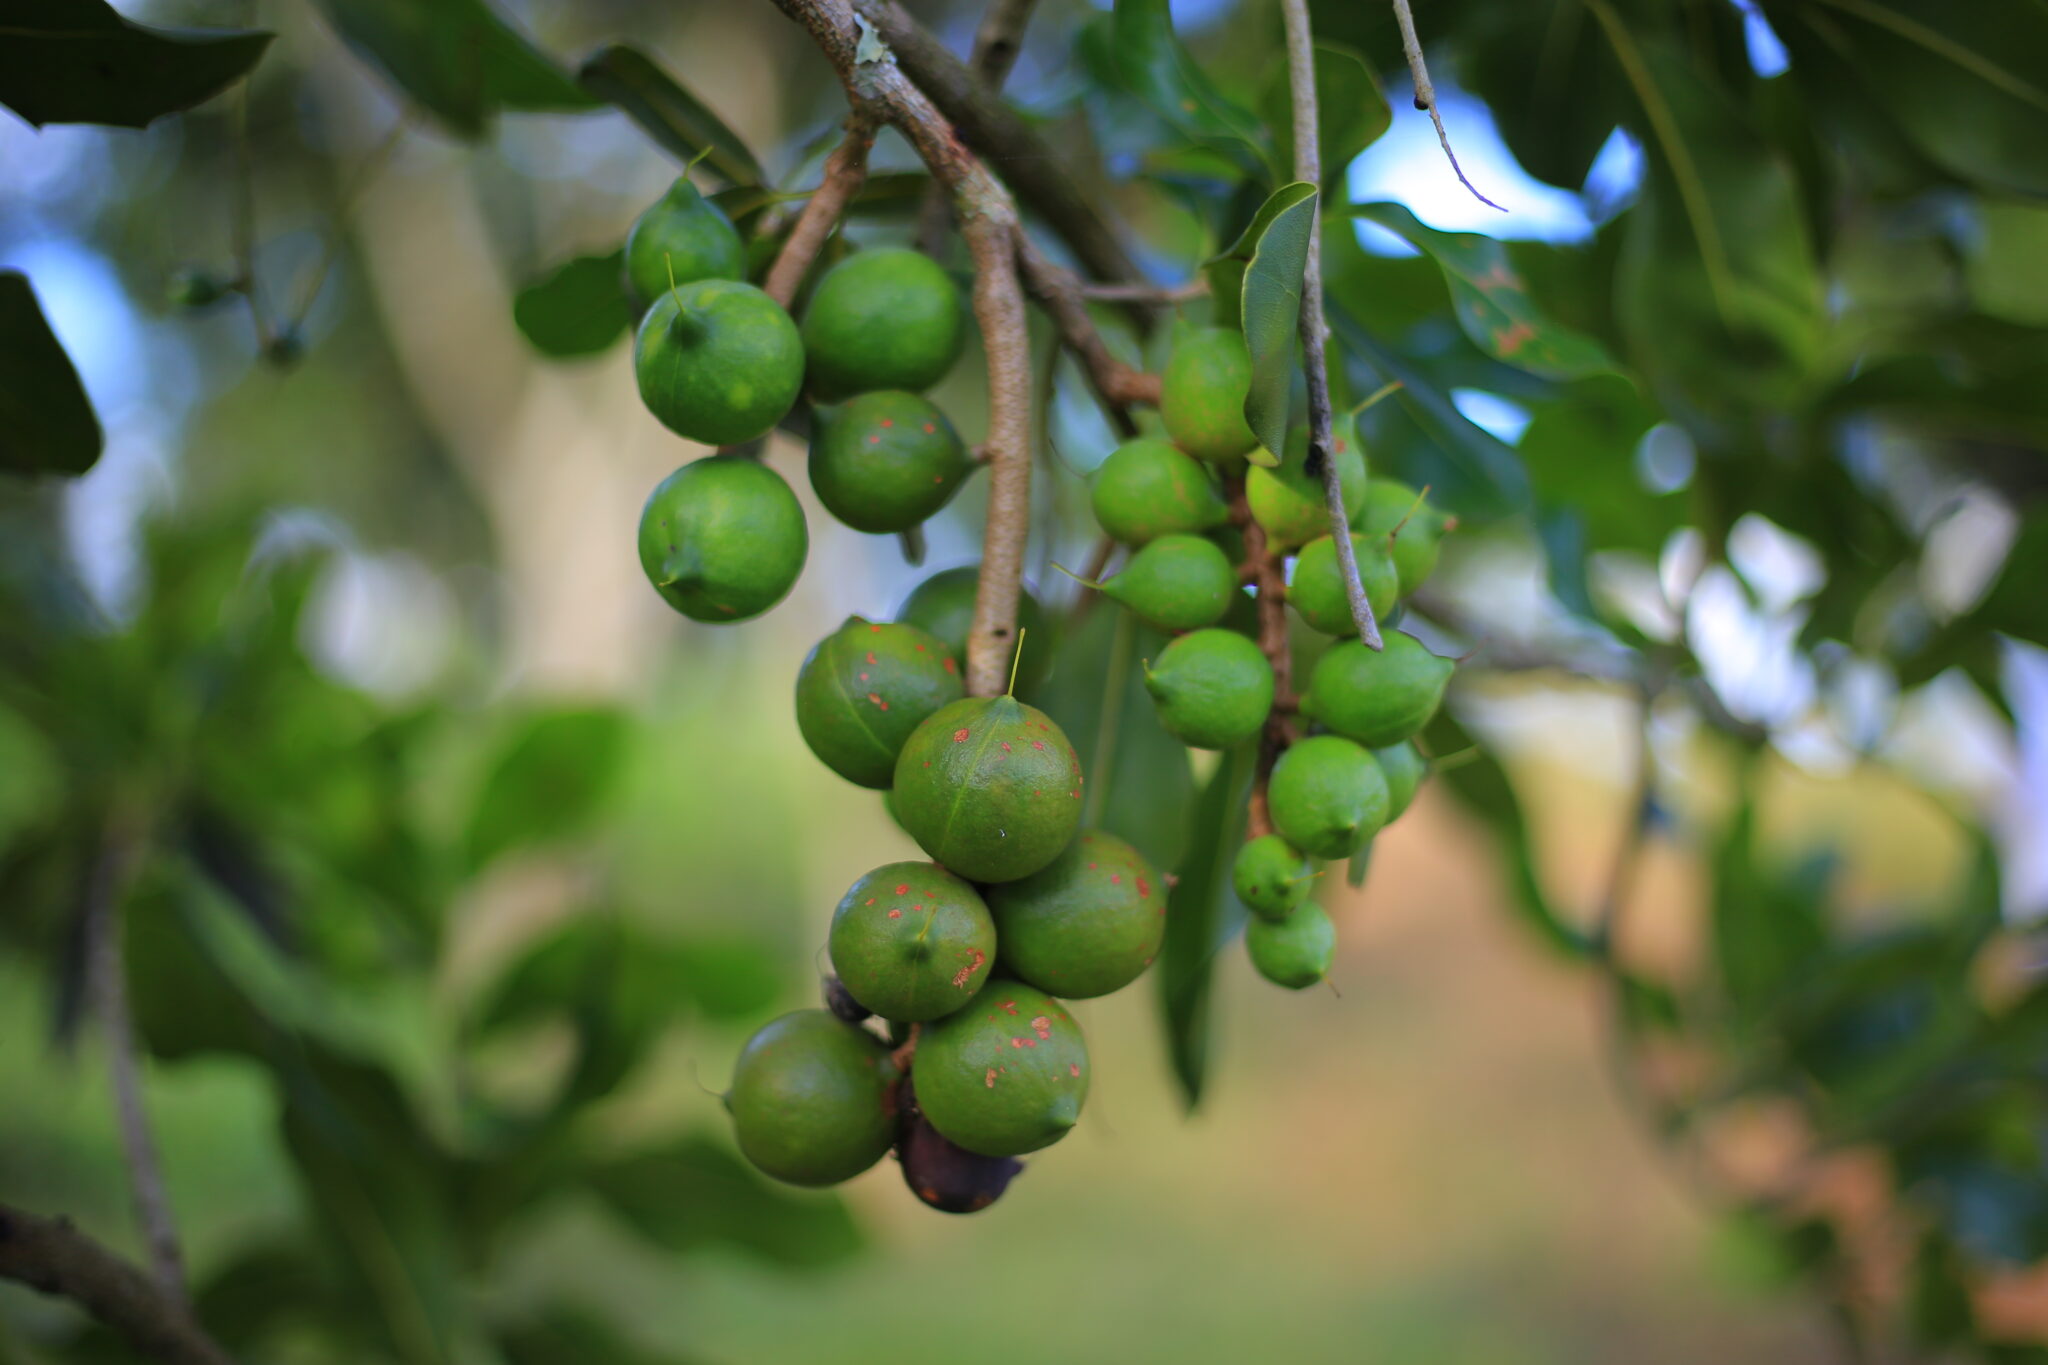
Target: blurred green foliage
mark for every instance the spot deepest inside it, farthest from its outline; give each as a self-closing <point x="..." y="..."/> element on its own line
<point x="1828" y="282"/>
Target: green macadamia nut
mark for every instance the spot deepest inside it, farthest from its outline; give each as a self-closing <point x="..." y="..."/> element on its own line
<point x="1088" y="923"/>
<point x="911" y="941"/>
<point x="884" y="461"/>
<point x="1295" y="952"/>
<point x="681" y="238"/>
<point x="1175" y="583"/>
<point x="1202" y="393"/>
<point x="1212" y="688"/>
<point x="1405" y="768"/>
<point x="1318" y="591"/>
<point x="1289" y="500"/>
<point x="812" y="1099"/>
<point x="990" y="788"/>
<point x="1147" y="489"/>
<point x="1271" y="876"/>
<point x="1327" y="796"/>
<point x="889" y="318"/>
<point x="943" y="605"/>
<point x="718" y="361"/>
<point x="1005" y="1075"/>
<point x="722" y="539"/>
<point x="1378" y="698"/>
<point x="1388" y="505"/>
<point x="864" y="688"/>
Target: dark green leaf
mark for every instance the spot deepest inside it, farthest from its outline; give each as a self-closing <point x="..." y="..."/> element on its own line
<point x="457" y="58"/>
<point x="1275" y="248"/>
<point x="1202" y="915"/>
<point x="266" y="1288"/>
<point x="1490" y="301"/>
<point x="671" y="115"/>
<point x="1482" y="785"/>
<point x="1965" y="84"/>
<point x="1554" y="88"/>
<point x="378" y="1185"/>
<point x="1768" y="923"/>
<point x="77" y="61"/>
<point x="1718" y="291"/>
<point x="698" y="1193"/>
<point x="1580" y="451"/>
<point x="1148" y="61"/>
<point x="562" y="1334"/>
<point x="1140" y="785"/>
<point x="617" y="987"/>
<point x="547" y="783"/>
<point x="47" y="424"/>
<point x="1351" y="112"/>
<point x="1479" y="475"/>
<point x="579" y="308"/>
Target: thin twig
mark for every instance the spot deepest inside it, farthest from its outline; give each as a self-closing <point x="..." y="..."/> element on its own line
<point x="1425" y="96"/>
<point x="845" y="171"/>
<point x="243" y="224"/>
<point x="52" y="1257"/>
<point x="1301" y="81"/>
<point x="113" y="869"/>
<point x="1188" y="289"/>
<point x="1116" y="384"/>
<point x="344" y="204"/>
<point x="876" y="85"/>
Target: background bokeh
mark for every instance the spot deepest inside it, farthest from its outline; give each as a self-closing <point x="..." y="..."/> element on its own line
<point x="1431" y="1161"/>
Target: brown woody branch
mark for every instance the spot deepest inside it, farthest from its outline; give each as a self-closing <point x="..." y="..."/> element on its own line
<point x="122" y="843"/>
<point x="1118" y="385"/>
<point x="878" y="88"/>
<point x="1188" y="289"/>
<point x="1262" y="566"/>
<point x="845" y="172"/>
<point x="53" y="1257"/>
<point x="988" y="125"/>
<point x="996" y="45"/>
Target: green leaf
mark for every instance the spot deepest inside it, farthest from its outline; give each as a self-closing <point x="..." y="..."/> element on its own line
<point x="2003" y="269"/>
<point x="377" y="1184"/>
<point x="697" y="1193"/>
<point x="666" y="112"/>
<point x="1549" y="79"/>
<point x="1275" y="251"/>
<point x="1149" y="62"/>
<point x="1478" y="475"/>
<point x="617" y="987"/>
<point x="1717" y="290"/>
<point x="1580" y="452"/>
<point x="1767" y="924"/>
<point x="579" y="308"/>
<point x="1140" y="784"/>
<point x="1482" y="786"/>
<point x="1490" y="301"/>
<point x="548" y="782"/>
<point x="456" y="58"/>
<point x="47" y="424"/>
<point x="1202" y="915"/>
<point x="1351" y="112"/>
<point x="272" y="1285"/>
<point x="77" y="61"/>
<point x="563" y="1334"/>
<point x="1966" y="84"/>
